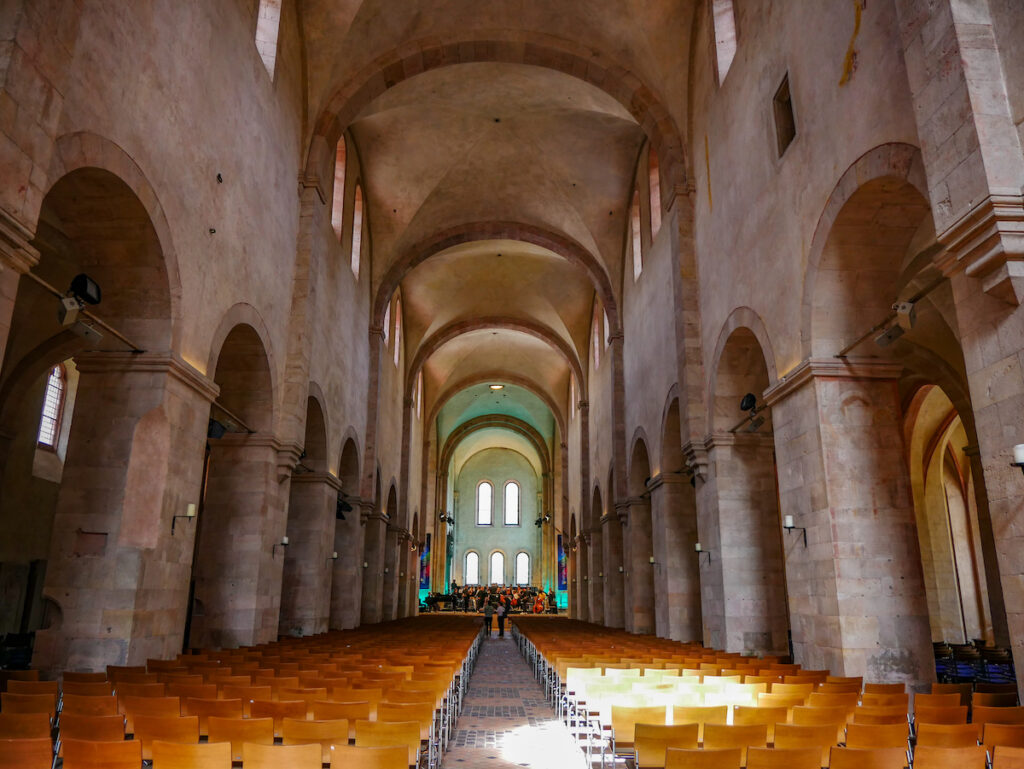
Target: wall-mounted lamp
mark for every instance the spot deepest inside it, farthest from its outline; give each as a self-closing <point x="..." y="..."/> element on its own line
<point x="190" y="514"/>
<point x="585" y="578"/>
<point x="1018" y="456"/>
<point x="542" y="519"/>
<point x="334" y="556"/>
<point x="413" y="546"/>
<point x="282" y="544"/>
<point x="385" y="569"/>
<point x="366" y="565"/>
<point x="600" y="574"/>
<point x="699" y="549"/>
<point x="620" y="570"/>
<point x="651" y="560"/>
<point x="445" y="518"/>
<point x="787" y="524"/>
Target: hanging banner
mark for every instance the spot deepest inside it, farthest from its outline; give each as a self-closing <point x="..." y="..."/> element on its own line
<point x="563" y="566"/>
<point x="425" y="565"/>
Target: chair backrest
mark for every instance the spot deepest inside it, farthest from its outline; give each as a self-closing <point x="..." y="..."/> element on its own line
<point x="782" y="758"/>
<point x="96" y="728"/>
<point x="650" y="741"/>
<point x="885" y="688"/>
<point x="700" y="715"/>
<point x="420" y="712"/>
<point x="929" y="757"/>
<point x="718" y="736"/>
<point x="985" y="699"/>
<point x="937" y="700"/>
<point x="793" y="689"/>
<point x="93" y="754"/>
<point x="625" y="719"/>
<point x="277" y="710"/>
<point x="380" y="734"/>
<point x="26" y="753"/>
<point x="791" y="736"/>
<point x="886" y="699"/>
<point x="174" y="755"/>
<point x="1009" y="735"/>
<point x="88" y="688"/>
<point x="89" y="705"/>
<point x="948" y="714"/>
<point x="868" y="758"/>
<point x="964" y="690"/>
<point x="194" y="691"/>
<point x="324" y="733"/>
<point x="1005" y="757"/>
<point x="12" y="702"/>
<point x="808" y="716"/>
<point x="351" y="711"/>
<point x="677" y="758"/>
<point x="150" y="729"/>
<point x="192" y="706"/>
<point x="873" y="715"/>
<point x="839" y="687"/>
<point x="272" y="756"/>
<point x="948" y="735"/>
<point x="78" y="677"/>
<point x="237" y="731"/>
<point x="877" y="735"/>
<point x="982" y="714"/>
<point x="132" y="707"/>
<point x="21" y="726"/>
<point x="358" y="757"/>
<point x="846" y="700"/>
<point x="34" y="687"/>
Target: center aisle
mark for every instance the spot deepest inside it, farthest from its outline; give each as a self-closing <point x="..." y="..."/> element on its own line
<point x="505" y="719"/>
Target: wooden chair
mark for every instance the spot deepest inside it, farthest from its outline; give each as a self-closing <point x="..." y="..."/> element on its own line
<point x="778" y="758"/>
<point x="12" y="702"/>
<point x="949" y="735"/>
<point x="1008" y="735"/>
<point x="87" y="688"/>
<point x="721" y="736"/>
<point x="870" y="715"/>
<point x="93" y="754"/>
<point x="324" y="733"/>
<point x="356" y="757"/>
<point x="167" y="707"/>
<point x="193" y="691"/>
<point x="324" y="710"/>
<point x="868" y="758"/>
<point x="383" y="734"/>
<point x="650" y="741"/>
<point x="868" y="736"/>
<point x="950" y="714"/>
<point x="678" y="758"/>
<point x="793" y="736"/>
<point x="700" y="715"/>
<point x="26" y="753"/>
<point x="1005" y="757"/>
<point x="281" y="756"/>
<point x="840" y="687"/>
<point x="124" y="691"/>
<point x="237" y="731"/>
<point x="203" y="708"/>
<point x="24" y="726"/>
<point x="33" y="687"/>
<point x="89" y="705"/>
<point x="175" y="755"/>
<point x="743" y="716"/>
<point x="929" y="757"/>
<point x="964" y="690"/>
<point x="277" y="710"/>
<point x="151" y="729"/>
<point x="246" y="694"/>
<point x="834" y="717"/>
<point x="624" y="721"/>
<point x="989" y="715"/>
<point x="985" y="699"/>
<point x="886" y="700"/>
<point x="95" y="728"/>
<point x="77" y="677"/>
<point x="885" y="688"/>
<point x="937" y="700"/>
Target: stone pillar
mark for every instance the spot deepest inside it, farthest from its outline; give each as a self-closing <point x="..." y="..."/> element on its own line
<point x="347" y="577"/>
<point x="640" y="569"/>
<point x="856" y="590"/>
<point x="119" y="565"/>
<point x="676" y="573"/>
<point x="595" y="585"/>
<point x="990" y="559"/>
<point x="17" y="256"/>
<point x="581" y="578"/>
<point x="308" y="566"/>
<point x="239" y="561"/>
<point x="372" y="609"/>
<point x="392" y="560"/>
<point x="614" y="588"/>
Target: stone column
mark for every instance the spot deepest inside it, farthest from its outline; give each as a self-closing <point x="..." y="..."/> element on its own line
<point x="372" y="609"/>
<point x="676" y="573"/>
<point x="119" y="565"/>
<point x="990" y="559"/>
<point x="308" y="566"/>
<point x="595" y="585"/>
<point x="389" y="597"/>
<point x="581" y="578"/>
<point x="347" y="577"/>
<point x="639" y="568"/>
<point x="17" y="256"/>
<point x="614" y="588"/>
<point x="856" y="590"/>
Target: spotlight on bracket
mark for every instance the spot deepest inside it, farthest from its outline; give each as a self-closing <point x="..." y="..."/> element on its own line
<point x="906" y="317"/>
<point x="82" y="291"/>
<point x="749" y="404"/>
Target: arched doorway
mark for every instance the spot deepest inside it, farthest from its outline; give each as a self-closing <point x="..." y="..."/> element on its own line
<point x="640" y="545"/>
<point x="346" y="584"/>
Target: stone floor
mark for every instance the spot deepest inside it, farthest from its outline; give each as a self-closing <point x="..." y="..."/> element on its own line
<point x="505" y="720"/>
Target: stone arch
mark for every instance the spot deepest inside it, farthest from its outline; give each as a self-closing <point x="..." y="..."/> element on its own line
<point x="314" y="444"/>
<point x="348" y="462"/>
<point x="639" y="542"/>
<point x="347" y="576"/>
<point x="242" y="313"/>
<point x="563" y="246"/>
<point x="595" y="586"/>
<point x="751" y="323"/>
<point x="245" y="377"/>
<point x="504" y="376"/>
<point x="542" y="50"/>
<point x="316" y="394"/>
<point x="439" y="338"/>
<point x="485" y="421"/>
<point x="638" y="451"/>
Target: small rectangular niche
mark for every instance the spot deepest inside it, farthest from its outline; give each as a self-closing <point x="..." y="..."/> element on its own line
<point x="785" y="120"/>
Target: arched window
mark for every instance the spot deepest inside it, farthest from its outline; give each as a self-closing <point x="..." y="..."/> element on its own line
<point x="357" y="231"/>
<point x="511" y="503"/>
<point x="338" y="205"/>
<point x="497" y="568"/>
<point x="634" y="226"/>
<point x="654" y="175"/>
<point x="267" y="24"/>
<point x="53" y="406"/>
<point x="387" y="324"/>
<point x="472" y="576"/>
<point x="595" y="338"/>
<point x="724" y="23"/>
<point x="419" y="394"/>
<point x="523" y="569"/>
<point x="398" y="330"/>
<point x="484" y="496"/>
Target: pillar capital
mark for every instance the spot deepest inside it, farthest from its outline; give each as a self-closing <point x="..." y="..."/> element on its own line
<point x="832" y="368"/>
<point x="168" y="363"/>
<point x="696" y="456"/>
<point x="312" y="181"/>
<point x="326" y="479"/>
<point x="667" y="479"/>
<point x="16" y="250"/>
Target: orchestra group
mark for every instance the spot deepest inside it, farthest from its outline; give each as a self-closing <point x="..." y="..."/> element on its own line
<point x="475" y="598"/>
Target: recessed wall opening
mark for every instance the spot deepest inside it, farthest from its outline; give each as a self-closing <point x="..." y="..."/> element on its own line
<point x="785" y="120"/>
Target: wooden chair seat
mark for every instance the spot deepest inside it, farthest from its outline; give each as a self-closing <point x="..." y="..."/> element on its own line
<point x="26" y="753"/>
<point x="777" y="758"/>
<point x="174" y="755"/>
<point x="95" y="754"/>
<point x="868" y="758"/>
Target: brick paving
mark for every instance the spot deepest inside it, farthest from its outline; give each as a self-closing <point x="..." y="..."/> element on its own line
<point x="505" y="720"/>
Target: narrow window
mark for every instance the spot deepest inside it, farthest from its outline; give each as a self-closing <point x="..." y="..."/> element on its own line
<point x="511" y="503"/>
<point x="724" y="23"/>
<point x="572" y="396"/>
<point x="785" y="120"/>
<point x="634" y="226"/>
<point x="484" y="492"/>
<point x="387" y="324"/>
<point x="398" y="330"/>
<point x="595" y="340"/>
<point x="267" y="24"/>
<point x="357" y="231"/>
<point x="338" y="207"/>
<point x="654" y="174"/>
<point x="53" y="407"/>
<point x="497" y="568"/>
<point x="523" y="569"/>
<point x="419" y="394"/>
<point x="472" y="569"/>
<point x="607" y="330"/>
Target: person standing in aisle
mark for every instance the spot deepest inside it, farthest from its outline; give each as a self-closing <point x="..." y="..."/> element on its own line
<point x="501" y="620"/>
<point x="488" y="613"/>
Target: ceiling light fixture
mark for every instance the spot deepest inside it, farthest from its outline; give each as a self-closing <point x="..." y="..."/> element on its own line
<point x="497" y="387"/>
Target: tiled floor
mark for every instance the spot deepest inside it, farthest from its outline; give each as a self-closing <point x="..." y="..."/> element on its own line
<point x="505" y="721"/>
